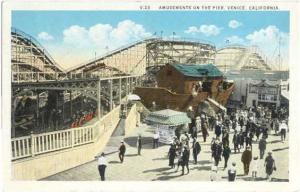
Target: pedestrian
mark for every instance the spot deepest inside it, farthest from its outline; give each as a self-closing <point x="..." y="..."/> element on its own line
<point x="241" y="138"/>
<point x="218" y="129"/>
<point x="204" y="130"/>
<point x="265" y="131"/>
<point x="249" y="140"/>
<point x="187" y="140"/>
<point x="234" y="124"/>
<point x="216" y="149"/>
<point x="283" y="128"/>
<point x="102" y="166"/>
<point x="155" y="140"/>
<point x="122" y="150"/>
<point x="257" y="132"/>
<point x="226" y="155"/>
<point x="172" y="155"/>
<point x="232" y="172"/>
<point x="196" y="149"/>
<point x="262" y="145"/>
<point x="246" y="160"/>
<point x="185" y="159"/>
<point x="139" y="144"/>
<point x="270" y="166"/>
<point x="254" y="167"/>
<point x="225" y="137"/>
<point x="276" y="126"/>
<point x="235" y="141"/>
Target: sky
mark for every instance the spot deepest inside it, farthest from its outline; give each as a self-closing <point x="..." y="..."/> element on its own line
<point x="73" y="37"/>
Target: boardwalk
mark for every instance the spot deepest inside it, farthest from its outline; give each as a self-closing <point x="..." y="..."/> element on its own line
<point x="153" y="163"/>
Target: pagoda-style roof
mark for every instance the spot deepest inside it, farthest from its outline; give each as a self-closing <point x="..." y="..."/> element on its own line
<point x="198" y="70"/>
<point x="168" y="117"/>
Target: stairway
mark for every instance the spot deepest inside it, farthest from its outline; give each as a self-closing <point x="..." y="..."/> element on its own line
<point x="117" y="136"/>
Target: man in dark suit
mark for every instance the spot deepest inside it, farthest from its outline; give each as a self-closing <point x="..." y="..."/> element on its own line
<point x="246" y="159"/>
<point x="122" y="150"/>
<point x="185" y="159"/>
<point x="196" y="149"/>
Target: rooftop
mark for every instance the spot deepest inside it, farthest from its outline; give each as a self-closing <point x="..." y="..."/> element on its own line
<point x="198" y="70"/>
<point x="168" y="117"/>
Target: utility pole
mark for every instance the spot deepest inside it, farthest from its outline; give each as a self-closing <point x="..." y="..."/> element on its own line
<point x="279" y="53"/>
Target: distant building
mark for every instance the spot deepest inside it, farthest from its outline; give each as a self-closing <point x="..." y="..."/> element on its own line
<point x="266" y="93"/>
<point x="244" y="78"/>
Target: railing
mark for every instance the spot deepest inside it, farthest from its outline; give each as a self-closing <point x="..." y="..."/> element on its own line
<point x="37" y="144"/>
<point x="47" y="142"/>
<point x="19" y="77"/>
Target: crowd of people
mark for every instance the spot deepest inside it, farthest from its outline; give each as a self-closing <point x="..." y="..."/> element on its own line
<point x="247" y="126"/>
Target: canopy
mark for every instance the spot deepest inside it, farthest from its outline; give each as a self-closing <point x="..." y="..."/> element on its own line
<point x="168" y="117"/>
<point x="133" y="97"/>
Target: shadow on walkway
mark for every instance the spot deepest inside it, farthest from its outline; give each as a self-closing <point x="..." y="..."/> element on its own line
<point x="275" y="141"/>
<point x="157" y="170"/>
<point x="166" y="177"/>
<point x="131" y="155"/>
<point x="252" y="179"/>
<point x="203" y="162"/>
<point x="280" y="149"/>
<point x="160" y="158"/>
<point x="202" y="168"/>
<point x="279" y="180"/>
<point x="114" y="162"/>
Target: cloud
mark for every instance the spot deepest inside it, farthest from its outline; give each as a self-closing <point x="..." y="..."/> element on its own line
<point x="234" y="40"/>
<point x="101" y="35"/>
<point x="45" y="36"/>
<point x="234" y="24"/>
<point x="267" y="39"/>
<point x="207" y="30"/>
<point x="84" y="42"/>
<point x="128" y="30"/>
<point x="192" y="30"/>
<point x="75" y="35"/>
